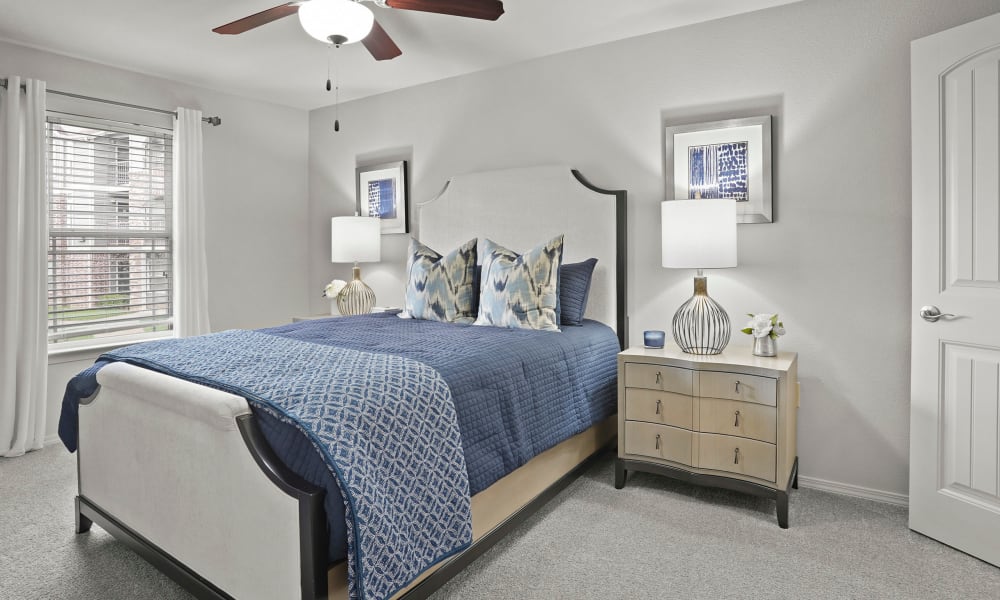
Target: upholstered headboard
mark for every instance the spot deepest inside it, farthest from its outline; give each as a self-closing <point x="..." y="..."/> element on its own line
<point x="522" y="208"/>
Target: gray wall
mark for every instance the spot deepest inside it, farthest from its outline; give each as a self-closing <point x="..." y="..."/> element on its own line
<point x="835" y="264"/>
<point x="255" y="188"/>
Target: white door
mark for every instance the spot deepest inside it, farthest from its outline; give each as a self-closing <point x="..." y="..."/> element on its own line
<point x="955" y="362"/>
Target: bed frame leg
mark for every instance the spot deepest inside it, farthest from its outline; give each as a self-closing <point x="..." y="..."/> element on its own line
<point x="82" y="522"/>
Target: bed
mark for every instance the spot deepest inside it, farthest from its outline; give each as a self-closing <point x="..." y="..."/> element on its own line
<point x="205" y="488"/>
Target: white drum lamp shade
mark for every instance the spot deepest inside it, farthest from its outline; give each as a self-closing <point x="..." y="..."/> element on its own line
<point x="354" y="240"/>
<point x="699" y="234"/>
<point x="336" y="21"/>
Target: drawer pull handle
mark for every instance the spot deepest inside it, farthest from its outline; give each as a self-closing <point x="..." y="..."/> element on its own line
<point x="657" y="441"/>
<point x="737" y="423"/>
<point x="659" y="378"/>
<point x="737" y="386"/>
<point x="659" y="404"/>
<point x="736" y="460"/>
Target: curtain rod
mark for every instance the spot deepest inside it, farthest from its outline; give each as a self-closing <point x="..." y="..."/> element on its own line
<point x="214" y="121"/>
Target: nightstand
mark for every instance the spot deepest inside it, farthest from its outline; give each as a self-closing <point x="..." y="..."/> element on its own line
<point x="726" y="420"/>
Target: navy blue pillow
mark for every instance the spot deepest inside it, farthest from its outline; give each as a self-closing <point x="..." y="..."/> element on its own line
<point x="574" y="289"/>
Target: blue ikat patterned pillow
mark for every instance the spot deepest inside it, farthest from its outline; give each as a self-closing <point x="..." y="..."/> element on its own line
<point x="521" y="291"/>
<point x="441" y="288"/>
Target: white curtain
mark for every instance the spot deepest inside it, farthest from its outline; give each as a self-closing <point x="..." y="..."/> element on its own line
<point x="24" y="230"/>
<point x="190" y="266"/>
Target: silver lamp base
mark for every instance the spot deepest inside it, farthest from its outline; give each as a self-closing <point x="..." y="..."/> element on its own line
<point x="356" y="298"/>
<point x="701" y="325"/>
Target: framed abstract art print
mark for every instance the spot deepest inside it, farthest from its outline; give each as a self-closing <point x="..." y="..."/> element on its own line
<point x="382" y="193"/>
<point x="724" y="159"/>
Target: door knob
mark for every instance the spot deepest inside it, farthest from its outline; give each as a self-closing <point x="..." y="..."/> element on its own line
<point x="933" y="313"/>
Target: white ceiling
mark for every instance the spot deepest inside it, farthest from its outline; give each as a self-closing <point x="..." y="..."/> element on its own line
<point x="279" y="63"/>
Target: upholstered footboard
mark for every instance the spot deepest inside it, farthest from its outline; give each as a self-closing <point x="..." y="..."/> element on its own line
<point x="181" y="473"/>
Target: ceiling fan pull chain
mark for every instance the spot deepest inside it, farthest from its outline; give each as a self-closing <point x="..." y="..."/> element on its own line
<point x="336" y="110"/>
<point x="336" y="97"/>
<point x="328" y="67"/>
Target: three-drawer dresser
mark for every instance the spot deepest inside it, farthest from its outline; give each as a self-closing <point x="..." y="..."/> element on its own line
<point x="726" y="420"/>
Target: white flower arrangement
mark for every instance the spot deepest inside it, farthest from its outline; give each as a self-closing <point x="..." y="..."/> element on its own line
<point x="764" y="325"/>
<point x="333" y="289"/>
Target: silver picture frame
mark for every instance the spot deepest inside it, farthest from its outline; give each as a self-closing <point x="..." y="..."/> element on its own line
<point x="723" y="159"/>
<point x="382" y="192"/>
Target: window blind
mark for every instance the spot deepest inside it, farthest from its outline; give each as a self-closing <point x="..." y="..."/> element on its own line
<point x="110" y="271"/>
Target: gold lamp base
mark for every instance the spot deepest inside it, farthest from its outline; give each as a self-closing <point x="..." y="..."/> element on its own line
<point x="356" y="298"/>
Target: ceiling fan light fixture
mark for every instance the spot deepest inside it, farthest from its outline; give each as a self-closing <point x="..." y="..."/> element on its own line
<point x="340" y="21"/>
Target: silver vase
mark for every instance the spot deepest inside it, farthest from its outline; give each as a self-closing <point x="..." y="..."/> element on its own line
<point x="765" y="346"/>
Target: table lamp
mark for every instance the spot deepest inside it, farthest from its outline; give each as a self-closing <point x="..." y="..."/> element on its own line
<point x="700" y="234"/>
<point x="353" y="240"/>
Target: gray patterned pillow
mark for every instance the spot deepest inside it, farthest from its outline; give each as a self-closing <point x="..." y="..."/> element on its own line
<point x="521" y="291"/>
<point x="441" y="288"/>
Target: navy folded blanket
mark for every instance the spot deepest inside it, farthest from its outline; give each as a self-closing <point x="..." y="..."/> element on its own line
<point x="385" y="426"/>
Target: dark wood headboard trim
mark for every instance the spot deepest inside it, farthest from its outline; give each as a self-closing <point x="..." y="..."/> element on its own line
<point x="621" y="252"/>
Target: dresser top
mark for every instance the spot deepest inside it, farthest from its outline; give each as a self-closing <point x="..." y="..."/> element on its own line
<point x="731" y="358"/>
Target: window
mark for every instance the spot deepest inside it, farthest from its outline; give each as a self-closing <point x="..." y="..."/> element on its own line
<point x="109" y="257"/>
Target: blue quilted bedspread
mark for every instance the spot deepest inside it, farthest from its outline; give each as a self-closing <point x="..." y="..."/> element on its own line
<point x="516" y="392"/>
<point x="385" y="425"/>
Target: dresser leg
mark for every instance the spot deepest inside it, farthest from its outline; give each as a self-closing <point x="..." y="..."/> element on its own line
<point x="795" y="474"/>
<point x="782" y="500"/>
<point x="620" y="474"/>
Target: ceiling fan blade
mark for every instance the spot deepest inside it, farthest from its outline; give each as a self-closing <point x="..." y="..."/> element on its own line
<point x="262" y="18"/>
<point x="380" y="44"/>
<point x="489" y="10"/>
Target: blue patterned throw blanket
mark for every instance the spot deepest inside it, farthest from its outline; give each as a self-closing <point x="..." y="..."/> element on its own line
<point x="385" y="424"/>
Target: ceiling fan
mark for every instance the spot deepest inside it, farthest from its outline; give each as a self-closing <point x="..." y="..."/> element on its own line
<point x="346" y="21"/>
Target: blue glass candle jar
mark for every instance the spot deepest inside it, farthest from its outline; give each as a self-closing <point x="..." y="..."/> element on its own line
<point x="653" y="338"/>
